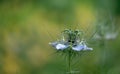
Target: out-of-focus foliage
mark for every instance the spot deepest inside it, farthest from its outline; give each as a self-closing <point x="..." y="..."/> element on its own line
<point x="27" y="26"/>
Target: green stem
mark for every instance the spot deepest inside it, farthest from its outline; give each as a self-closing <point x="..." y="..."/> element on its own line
<point x="69" y="62"/>
<point x="104" y="52"/>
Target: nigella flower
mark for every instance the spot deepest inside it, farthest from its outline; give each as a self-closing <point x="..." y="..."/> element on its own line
<point x="107" y="36"/>
<point x="106" y="31"/>
<point x="71" y="44"/>
<point x="71" y="39"/>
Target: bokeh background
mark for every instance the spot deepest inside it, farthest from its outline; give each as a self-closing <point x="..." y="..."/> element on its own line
<point x="27" y="27"/>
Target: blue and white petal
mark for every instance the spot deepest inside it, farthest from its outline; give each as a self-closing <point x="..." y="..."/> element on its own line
<point x="81" y="47"/>
<point x="61" y="46"/>
<point x="78" y="48"/>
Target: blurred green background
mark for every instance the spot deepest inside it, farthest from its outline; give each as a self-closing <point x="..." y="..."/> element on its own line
<point x="27" y="26"/>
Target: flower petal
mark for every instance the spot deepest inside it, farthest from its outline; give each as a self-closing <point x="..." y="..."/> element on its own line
<point x="61" y="46"/>
<point x="78" y="48"/>
<point x="81" y="47"/>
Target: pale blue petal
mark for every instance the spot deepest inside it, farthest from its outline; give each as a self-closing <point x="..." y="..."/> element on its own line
<point x="81" y="47"/>
<point x="61" y="46"/>
<point x="78" y="48"/>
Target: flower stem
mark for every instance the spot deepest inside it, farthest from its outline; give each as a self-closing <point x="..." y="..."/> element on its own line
<point x="69" y="62"/>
